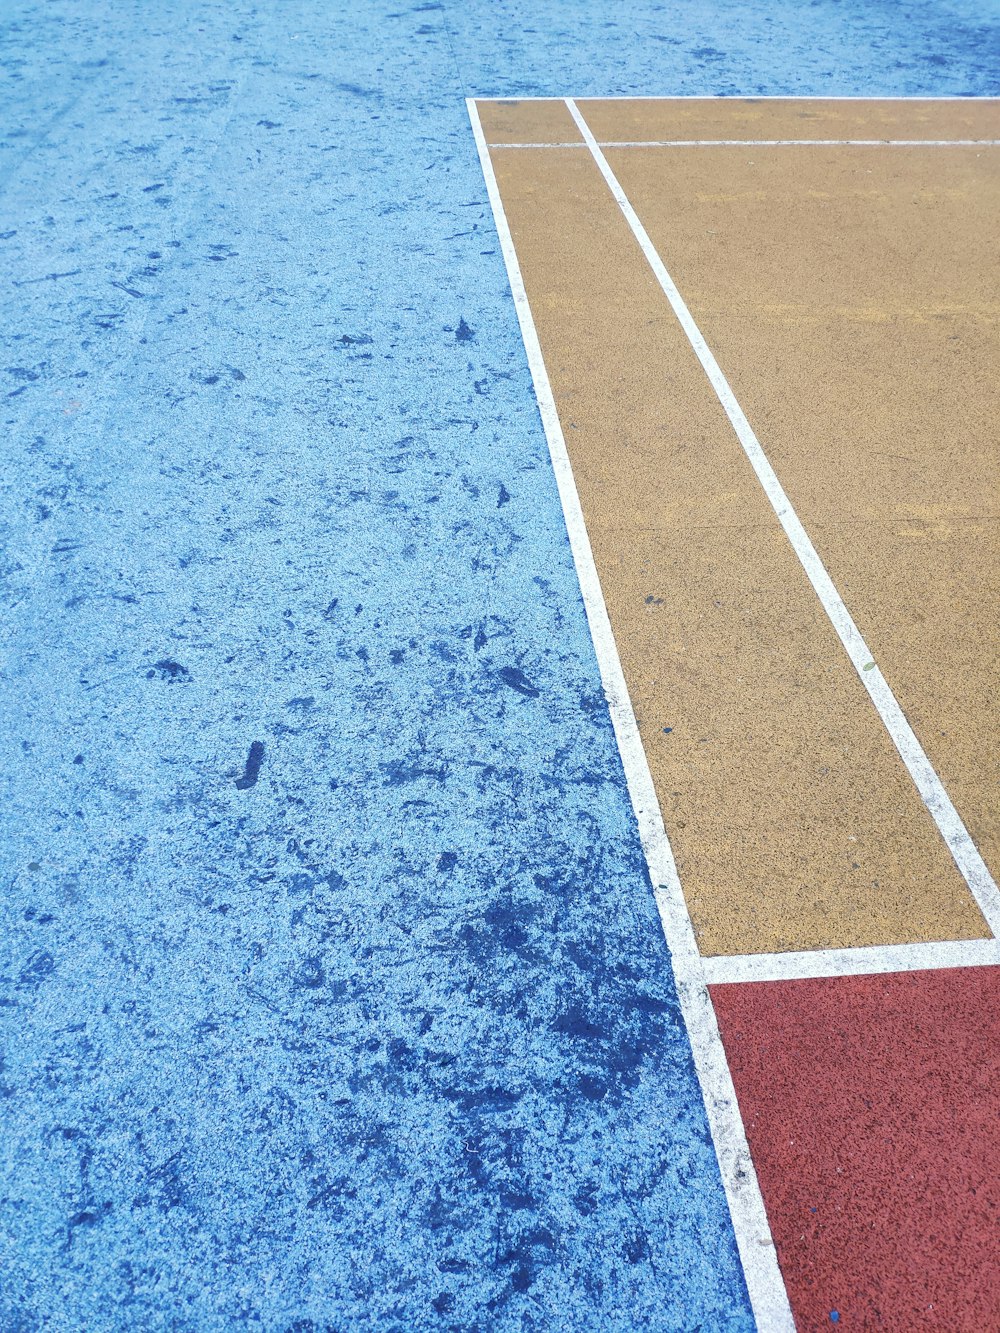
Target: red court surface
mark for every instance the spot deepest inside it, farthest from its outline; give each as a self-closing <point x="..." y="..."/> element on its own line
<point x="872" y="1106"/>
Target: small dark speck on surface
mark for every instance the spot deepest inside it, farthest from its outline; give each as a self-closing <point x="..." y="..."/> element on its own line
<point x="447" y="861"/>
<point x="464" y="334"/>
<point x="310" y="975"/>
<point x="168" y="670"/>
<point x="255" y="758"/>
<point x="515" y="679"/>
<point x="88" y="1217"/>
<point x="504" y="496"/>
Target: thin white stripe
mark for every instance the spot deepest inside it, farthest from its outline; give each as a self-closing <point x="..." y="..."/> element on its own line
<point x="767" y="143"/>
<point x="728" y="97"/>
<point x="851" y="962"/>
<point x="739" y="1178"/>
<point x="576" y="144"/>
<point x="929" y="785"/>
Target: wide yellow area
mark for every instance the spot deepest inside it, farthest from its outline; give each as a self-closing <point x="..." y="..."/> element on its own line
<point x="849" y="294"/>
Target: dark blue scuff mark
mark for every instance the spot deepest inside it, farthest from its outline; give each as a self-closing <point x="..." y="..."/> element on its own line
<point x="255" y="758"/>
<point x="400" y="771"/>
<point x="47" y="277"/>
<point x="169" y="670"/>
<point x="39" y="966"/>
<point x="515" y="679"/>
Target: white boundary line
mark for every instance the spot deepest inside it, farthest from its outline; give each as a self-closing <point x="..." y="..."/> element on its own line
<point x="739" y="1178"/>
<point x="730" y="97"/>
<point x="851" y="962"/>
<point x="766" y="143"/>
<point x="964" y="851"/>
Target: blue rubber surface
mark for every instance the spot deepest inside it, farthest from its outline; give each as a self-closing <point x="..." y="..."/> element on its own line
<point x="333" y="991"/>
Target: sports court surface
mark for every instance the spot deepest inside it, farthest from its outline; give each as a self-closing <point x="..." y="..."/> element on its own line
<point x="500" y="667"/>
<point x="833" y="252"/>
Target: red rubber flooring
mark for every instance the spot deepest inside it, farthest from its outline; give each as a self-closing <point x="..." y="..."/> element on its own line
<point x="872" y="1106"/>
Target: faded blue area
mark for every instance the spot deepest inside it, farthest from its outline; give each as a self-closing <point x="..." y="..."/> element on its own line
<point x="334" y="995"/>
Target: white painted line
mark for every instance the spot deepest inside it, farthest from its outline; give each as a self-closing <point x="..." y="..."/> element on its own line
<point x="946" y="817"/>
<point x="852" y="962"/>
<point x="803" y="143"/>
<point x="766" y="143"/>
<point x="739" y="1178"/>
<point x="507" y="100"/>
<point x="577" y="143"/>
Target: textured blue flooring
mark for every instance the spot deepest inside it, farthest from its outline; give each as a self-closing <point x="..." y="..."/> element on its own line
<point x="333" y="991"/>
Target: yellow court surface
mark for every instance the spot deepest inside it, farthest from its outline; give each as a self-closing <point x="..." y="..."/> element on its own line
<point x="839" y="260"/>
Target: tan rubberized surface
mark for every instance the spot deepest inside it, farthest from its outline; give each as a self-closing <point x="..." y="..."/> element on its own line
<point x="793" y="820"/>
<point x="852" y="297"/>
<point x="731" y="118"/>
<point x="527" y="122"/>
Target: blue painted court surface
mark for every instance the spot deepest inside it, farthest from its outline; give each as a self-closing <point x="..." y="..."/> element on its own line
<point x="334" y="991"/>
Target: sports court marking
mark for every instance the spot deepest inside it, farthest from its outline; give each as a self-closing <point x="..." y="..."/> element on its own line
<point x="851" y="962"/>
<point x="909" y="887"/>
<point x="766" y="143"/>
<point x="753" y="1235"/>
<point x="861" y="98"/>
<point x="538" y="215"/>
<point x="952" y="829"/>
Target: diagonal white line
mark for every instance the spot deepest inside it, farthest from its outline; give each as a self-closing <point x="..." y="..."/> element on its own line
<point x="739" y="1178"/>
<point x="946" y="817"/>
